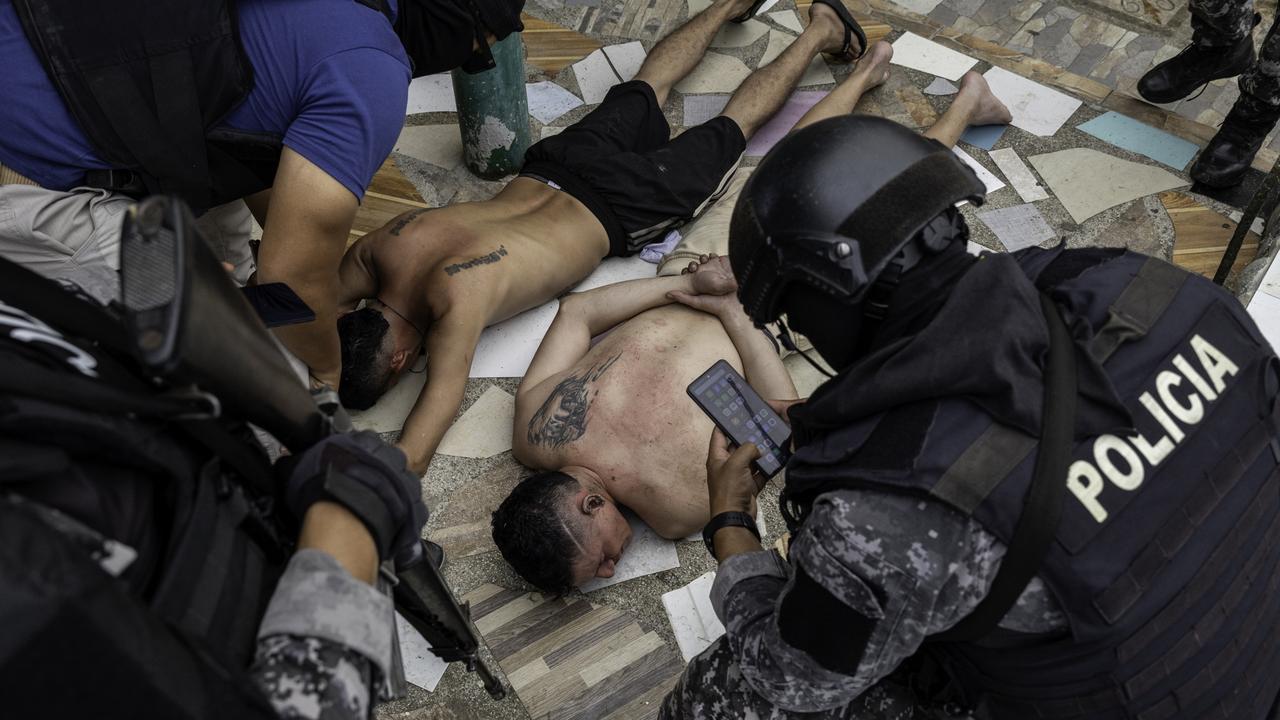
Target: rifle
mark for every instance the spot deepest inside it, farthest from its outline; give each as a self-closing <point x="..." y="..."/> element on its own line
<point x="189" y="325"/>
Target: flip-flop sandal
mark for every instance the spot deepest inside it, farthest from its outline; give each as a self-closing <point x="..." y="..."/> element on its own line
<point x="851" y="30"/>
<point x="755" y="7"/>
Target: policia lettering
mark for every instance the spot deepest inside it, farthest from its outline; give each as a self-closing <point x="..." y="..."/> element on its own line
<point x="1123" y="461"/>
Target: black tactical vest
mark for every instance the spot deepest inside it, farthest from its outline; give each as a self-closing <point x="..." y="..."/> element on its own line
<point x="149" y="82"/>
<point x="137" y="555"/>
<point x="1167" y="559"/>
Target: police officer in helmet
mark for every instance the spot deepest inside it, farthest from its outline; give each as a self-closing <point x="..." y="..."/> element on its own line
<point x="1040" y="484"/>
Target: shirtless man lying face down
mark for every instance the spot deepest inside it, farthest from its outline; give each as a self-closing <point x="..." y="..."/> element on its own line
<point x="613" y="423"/>
<point x="608" y="185"/>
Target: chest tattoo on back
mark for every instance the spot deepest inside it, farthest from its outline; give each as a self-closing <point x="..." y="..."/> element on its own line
<point x="492" y="257"/>
<point x="403" y="221"/>
<point x="563" y="417"/>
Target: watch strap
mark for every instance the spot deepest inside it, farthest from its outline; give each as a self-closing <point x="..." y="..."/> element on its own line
<point x="732" y="518"/>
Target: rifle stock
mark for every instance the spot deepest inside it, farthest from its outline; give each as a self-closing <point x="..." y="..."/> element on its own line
<point x="190" y="326"/>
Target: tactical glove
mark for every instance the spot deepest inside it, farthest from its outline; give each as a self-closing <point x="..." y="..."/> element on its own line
<point x="369" y="478"/>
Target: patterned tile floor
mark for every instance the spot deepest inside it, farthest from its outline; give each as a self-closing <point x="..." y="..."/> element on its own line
<point x="1111" y="41"/>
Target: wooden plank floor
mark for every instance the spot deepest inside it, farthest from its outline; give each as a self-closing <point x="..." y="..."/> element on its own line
<point x="570" y="660"/>
<point x="389" y="195"/>
<point x="551" y="48"/>
<point x="1201" y="236"/>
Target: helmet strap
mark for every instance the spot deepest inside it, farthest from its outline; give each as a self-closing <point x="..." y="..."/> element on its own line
<point x="788" y="342"/>
<point x="876" y="306"/>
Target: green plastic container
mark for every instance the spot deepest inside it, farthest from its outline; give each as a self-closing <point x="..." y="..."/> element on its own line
<point x="493" y="112"/>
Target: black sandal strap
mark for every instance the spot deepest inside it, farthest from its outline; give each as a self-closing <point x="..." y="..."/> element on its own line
<point x="851" y="28"/>
<point x="750" y="13"/>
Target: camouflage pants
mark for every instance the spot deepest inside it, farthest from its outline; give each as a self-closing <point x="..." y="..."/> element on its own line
<point x="1224" y="22"/>
<point x="712" y="688"/>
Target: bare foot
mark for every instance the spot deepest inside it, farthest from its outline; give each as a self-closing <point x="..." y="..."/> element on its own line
<point x="823" y="16"/>
<point x="873" y="68"/>
<point x="987" y="108"/>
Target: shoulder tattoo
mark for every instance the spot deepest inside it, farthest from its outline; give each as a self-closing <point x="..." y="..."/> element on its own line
<point x="404" y="220"/>
<point x="563" y="417"/>
<point x="489" y="259"/>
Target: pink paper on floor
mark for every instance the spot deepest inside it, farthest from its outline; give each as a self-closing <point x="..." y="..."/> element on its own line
<point x="777" y="127"/>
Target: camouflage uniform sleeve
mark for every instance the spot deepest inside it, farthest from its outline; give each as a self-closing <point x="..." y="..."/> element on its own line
<point x="870" y="576"/>
<point x="324" y="643"/>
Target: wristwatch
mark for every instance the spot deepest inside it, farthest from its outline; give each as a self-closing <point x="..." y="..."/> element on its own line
<point x="724" y="520"/>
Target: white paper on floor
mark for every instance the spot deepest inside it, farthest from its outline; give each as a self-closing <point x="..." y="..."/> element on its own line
<point x="484" y="430"/>
<point x="1018" y="227"/>
<point x="626" y="58"/>
<point x="939" y="86"/>
<point x="548" y="101"/>
<point x="778" y="41"/>
<point x="917" y="53"/>
<point x="1018" y="174"/>
<point x="716" y="73"/>
<point x="431" y="93"/>
<point x="1265" y="306"/>
<point x="647" y="554"/>
<point x="766" y="6"/>
<point x="788" y="19"/>
<point x="421" y="666"/>
<point x="506" y="349"/>
<point x="818" y="73"/>
<point x="595" y="76"/>
<point x="987" y="177"/>
<point x="1037" y="109"/>
<point x="701" y="108"/>
<point x="440" y="145"/>
<point x="1087" y="181"/>
<point x="736" y="35"/>
<point x="693" y="619"/>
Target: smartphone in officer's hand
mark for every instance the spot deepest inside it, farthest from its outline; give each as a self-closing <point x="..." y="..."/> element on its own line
<point x="743" y="415"/>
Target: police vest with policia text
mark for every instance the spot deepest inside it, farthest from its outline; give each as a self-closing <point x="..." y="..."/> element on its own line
<point x="1166" y="562"/>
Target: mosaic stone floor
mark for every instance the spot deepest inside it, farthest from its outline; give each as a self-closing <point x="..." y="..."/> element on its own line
<point x="1111" y="41"/>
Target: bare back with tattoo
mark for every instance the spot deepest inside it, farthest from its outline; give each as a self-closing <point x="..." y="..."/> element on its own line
<point x="623" y="412"/>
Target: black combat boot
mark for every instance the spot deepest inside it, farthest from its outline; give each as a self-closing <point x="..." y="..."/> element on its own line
<point x="1228" y="155"/>
<point x="1186" y="72"/>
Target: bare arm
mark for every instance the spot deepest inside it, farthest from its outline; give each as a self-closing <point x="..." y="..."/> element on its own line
<point x="760" y="362"/>
<point x="584" y="315"/>
<point x="451" y="344"/>
<point x="715" y="292"/>
<point x="302" y="244"/>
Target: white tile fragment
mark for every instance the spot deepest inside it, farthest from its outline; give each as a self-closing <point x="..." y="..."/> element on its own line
<point x="917" y="53"/>
<point x="1037" y="109"/>
<point x="1019" y="175"/>
<point x="431" y="93"/>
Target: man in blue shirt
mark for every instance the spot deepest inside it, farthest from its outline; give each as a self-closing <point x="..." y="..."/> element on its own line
<point x="329" y="87"/>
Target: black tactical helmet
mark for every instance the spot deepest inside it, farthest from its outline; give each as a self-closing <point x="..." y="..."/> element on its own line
<point x="834" y="204"/>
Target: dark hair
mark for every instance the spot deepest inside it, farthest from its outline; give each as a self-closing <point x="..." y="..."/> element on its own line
<point x="366" y="368"/>
<point x="528" y="531"/>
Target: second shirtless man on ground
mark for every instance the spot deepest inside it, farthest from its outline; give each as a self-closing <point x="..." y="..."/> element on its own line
<point x="606" y="186"/>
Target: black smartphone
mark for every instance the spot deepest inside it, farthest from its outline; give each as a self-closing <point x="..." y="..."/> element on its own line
<point x="743" y="415"/>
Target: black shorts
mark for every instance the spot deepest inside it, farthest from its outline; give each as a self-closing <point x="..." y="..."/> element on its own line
<point x="621" y="162"/>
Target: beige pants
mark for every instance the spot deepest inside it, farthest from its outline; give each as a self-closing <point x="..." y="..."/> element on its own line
<point x="709" y="233"/>
<point x="77" y="232"/>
